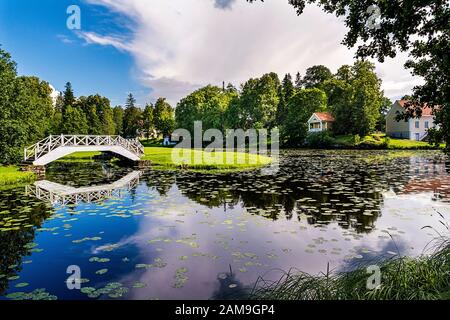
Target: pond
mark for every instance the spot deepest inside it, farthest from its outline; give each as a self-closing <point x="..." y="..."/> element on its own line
<point x="187" y="235"/>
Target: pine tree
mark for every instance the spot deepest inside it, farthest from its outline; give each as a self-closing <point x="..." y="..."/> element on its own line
<point x="69" y="97"/>
<point x="298" y="81"/>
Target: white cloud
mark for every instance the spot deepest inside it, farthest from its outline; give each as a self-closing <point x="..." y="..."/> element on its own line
<point x="55" y="93"/>
<point x="179" y="45"/>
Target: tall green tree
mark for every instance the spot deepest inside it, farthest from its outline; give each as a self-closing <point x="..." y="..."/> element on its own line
<point x="298" y="81"/>
<point x="300" y="108"/>
<point x="315" y="77"/>
<point x="99" y="114"/>
<point x="74" y="121"/>
<point x="118" y="114"/>
<point x="69" y="97"/>
<point x="26" y="110"/>
<point x="258" y="103"/>
<point x="148" y="119"/>
<point x="208" y="104"/>
<point x="355" y="102"/>
<point x="132" y="119"/>
<point x="285" y="92"/>
<point x="164" y="117"/>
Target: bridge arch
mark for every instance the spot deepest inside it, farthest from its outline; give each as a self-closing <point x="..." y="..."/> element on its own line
<point x="53" y="148"/>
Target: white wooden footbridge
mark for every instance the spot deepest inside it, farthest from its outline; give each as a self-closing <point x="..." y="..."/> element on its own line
<point x="58" y="194"/>
<point x="55" y="147"/>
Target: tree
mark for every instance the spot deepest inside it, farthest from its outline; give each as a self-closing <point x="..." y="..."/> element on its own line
<point x="356" y="101"/>
<point x="257" y="105"/>
<point x="7" y="123"/>
<point x="29" y="116"/>
<point x="384" y="109"/>
<point x="340" y="103"/>
<point x="148" y="120"/>
<point x="417" y="27"/>
<point x="132" y="118"/>
<point x="74" y="121"/>
<point x="285" y="92"/>
<point x="298" y="81"/>
<point x="59" y="103"/>
<point x="300" y="108"/>
<point x="316" y="76"/>
<point x="99" y="114"/>
<point x="208" y="104"/>
<point x="69" y="97"/>
<point x="26" y="110"/>
<point x="164" y="117"/>
<point x="118" y="114"/>
<point x="368" y="98"/>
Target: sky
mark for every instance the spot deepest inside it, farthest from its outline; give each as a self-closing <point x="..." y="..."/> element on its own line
<point x="162" y="48"/>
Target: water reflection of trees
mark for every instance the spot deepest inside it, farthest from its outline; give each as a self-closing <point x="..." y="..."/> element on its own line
<point x="345" y="189"/>
<point x="81" y="174"/>
<point x="15" y="244"/>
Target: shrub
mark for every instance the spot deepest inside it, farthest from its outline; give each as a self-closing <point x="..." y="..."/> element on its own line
<point x="319" y="140"/>
<point x="356" y="139"/>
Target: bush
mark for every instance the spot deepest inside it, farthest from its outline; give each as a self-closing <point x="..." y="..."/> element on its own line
<point x="319" y="140"/>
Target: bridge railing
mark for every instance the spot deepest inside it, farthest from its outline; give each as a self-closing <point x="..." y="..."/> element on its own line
<point x="50" y="143"/>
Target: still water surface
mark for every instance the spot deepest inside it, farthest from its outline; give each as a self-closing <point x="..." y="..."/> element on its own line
<point x="184" y="235"/>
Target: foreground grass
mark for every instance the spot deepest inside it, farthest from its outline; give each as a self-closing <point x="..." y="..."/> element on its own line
<point x="403" y="278"/>
<point x="162" y="157"/>
<point x="12" y="175"/>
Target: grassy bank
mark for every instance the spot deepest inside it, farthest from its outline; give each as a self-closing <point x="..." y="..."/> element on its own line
<point x="162" y="158"/>
<point x="380" y="141"/>
<point x="403" y="278"/>
<point x="11" y="175"/>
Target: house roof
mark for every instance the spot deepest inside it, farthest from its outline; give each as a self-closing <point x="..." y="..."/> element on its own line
<point x="325" y="116"/>
<point x="426" y="110"/>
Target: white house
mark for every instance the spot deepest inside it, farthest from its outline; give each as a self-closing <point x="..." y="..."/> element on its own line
<point x="320" y="121"/>
<point x="412" y="129"/>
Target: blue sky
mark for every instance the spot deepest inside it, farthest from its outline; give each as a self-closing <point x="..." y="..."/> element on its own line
<point x="160" y="48"/>
<point x="35" y="33"/>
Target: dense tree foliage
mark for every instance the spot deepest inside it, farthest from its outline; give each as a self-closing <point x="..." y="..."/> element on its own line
<point x="257" y="105"/>
<point x="418" y="27"/>
<point x="208" y="104"/>
<point x="148" y="120"/>
<point x="26" y="110"/>
<point x="300" y="108"/>
<point x="74" y="121"/>
<point x="164" y="117"/>
<point x="316" y="76"/>
<point x="118" y="113"/>
<point x="132" y="118"/>
<point x="355" y="98"/>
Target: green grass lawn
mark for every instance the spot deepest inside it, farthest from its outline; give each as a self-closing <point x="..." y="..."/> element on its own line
<point x="80" y="157"/>
<point x="161" y="158"/>
<point x="11" y="175"/>
<point x="409" y="144"/>
<point x="201" y="160"/>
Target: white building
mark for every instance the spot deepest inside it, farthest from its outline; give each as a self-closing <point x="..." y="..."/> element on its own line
<point x="412" y="129"/>
<point x="320" y="121"/>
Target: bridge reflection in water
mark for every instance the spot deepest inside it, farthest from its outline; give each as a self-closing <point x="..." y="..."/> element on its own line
<point x="62" y="195"/>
